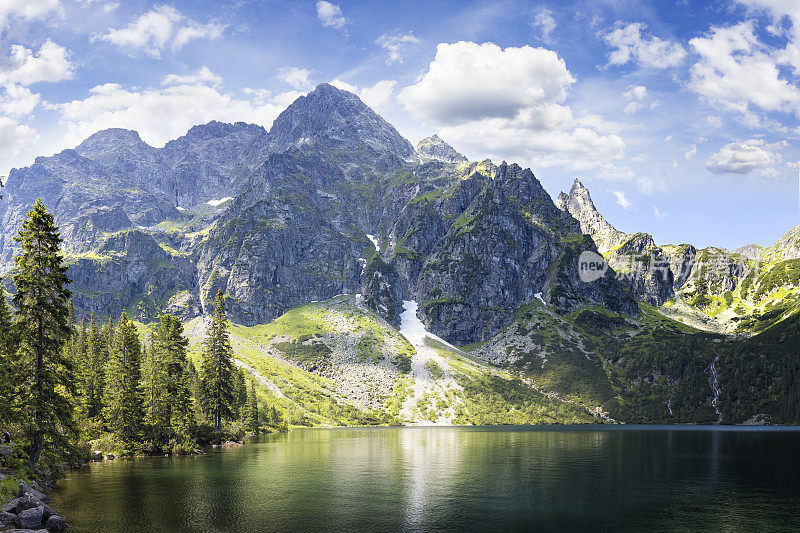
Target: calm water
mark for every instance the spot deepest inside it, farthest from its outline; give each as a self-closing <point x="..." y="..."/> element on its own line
<point x="440" y="479"/>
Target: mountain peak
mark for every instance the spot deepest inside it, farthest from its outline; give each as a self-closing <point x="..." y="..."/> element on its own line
<point x="434" y="148"/>
<point x="328" y="115"/>
<point x="579" y="204"/>
<point x="111" y="138"/>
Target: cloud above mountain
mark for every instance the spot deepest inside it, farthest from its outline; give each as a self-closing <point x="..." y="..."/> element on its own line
<point x="509" y="101"/>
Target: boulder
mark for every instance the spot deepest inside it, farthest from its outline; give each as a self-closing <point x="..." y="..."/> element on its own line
<point x="57" y="524"/>
<point x="35" y="494"/>
<point x="17" y="505"/>
<point x="7" y="518"/>
<point x="26" y="531"/>
<point x="30" y="518"/>
<point x="6" y="451"/>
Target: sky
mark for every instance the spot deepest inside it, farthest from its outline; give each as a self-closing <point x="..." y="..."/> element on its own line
<point x="681" y="117"/>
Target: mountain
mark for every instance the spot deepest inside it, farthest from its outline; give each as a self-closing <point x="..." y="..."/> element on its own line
<point x="330" y="118"/>
<point x="433" y="148"/>
<point x="578" y="203"/>
<point x="369" y="281"/>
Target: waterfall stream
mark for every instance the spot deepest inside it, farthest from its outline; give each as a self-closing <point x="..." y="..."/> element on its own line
<point x="714" y="382"/>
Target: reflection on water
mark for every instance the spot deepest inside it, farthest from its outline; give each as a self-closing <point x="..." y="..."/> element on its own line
<point x="418" y="479"/>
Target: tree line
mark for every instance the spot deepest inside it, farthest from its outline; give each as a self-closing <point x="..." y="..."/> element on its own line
<point x="65" y="383"/>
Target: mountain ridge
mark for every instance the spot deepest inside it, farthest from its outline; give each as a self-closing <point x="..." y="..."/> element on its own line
<point x="335" y="202"/>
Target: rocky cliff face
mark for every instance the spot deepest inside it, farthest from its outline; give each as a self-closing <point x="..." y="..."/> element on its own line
<point x="578" y="203"/>
<point x="334" y="200"/>
<point x="433" y="148"/>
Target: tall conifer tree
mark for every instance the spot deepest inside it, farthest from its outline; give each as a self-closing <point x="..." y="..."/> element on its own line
<point x="44" y="371"/>
<point x="251" y="411"/>
<point x="123" y="409"/>
<point x="217" y="385"/>
<point x="94" y="378"/>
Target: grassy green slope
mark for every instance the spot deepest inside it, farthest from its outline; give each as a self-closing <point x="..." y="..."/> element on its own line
<point x="337" y="363"/>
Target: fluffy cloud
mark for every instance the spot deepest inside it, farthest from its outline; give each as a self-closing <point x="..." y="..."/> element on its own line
<point x="330" y="15"/>
<point x="630" y="45"/>
<point x="201" y="75"/>
<point x="159" y="28"/>
<point x="394" y="43"/>
<point x="544" y="23"/>
<point x="635" y="96"/>
<point x="13" y="137"/>
<point x="17" y="101"/>
<point x="739" y="73"/>
<point x="745" y="157"/>
<point x="25" y="9"/>
<point x="50" y="64"/>
<point x="164" y="113"/>
<point x="508" y="103"/>
<point x="622" y="200"/>
<point x="299" y="78"/>
<point x="378" y="97"/>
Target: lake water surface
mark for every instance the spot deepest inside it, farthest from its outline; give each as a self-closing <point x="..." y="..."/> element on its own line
<point x="445" y="479"/>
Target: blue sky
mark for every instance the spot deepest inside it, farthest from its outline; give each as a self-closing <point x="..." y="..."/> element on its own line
<point x="680" y="116"/>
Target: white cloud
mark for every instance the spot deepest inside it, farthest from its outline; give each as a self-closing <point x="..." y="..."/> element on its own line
<point x="17" y="101"/>
<point x="163" y="113"/>
<point x="25" y="9"/>
<point x="512" y="80"/>
<point x="635" y="95"/>
<point x="25" y="67"/>
<point x="201" y="75"/>
<point x="13" y="137"/>
<point x="298" y="78"/>
<point x="509" y="104"/>
<point x="378" y="97"/>
<point x="739" y="73"/>
<point x="691" y="153"/>
<point x="622" y="200"/>
<point x="745" y="157"/>
<point x="394" y="43"/>
<point x="160" y="27"/>
<point x="330" y="15"/>
<point x="544" y="23"/>
<point x="629" y="45"/>
<point x="658" y="214"/>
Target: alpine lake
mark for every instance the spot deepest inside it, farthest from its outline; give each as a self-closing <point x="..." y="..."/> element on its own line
<point x="567" y="478"/>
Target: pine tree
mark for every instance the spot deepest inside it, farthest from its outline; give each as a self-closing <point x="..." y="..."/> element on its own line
<point x="217" y="392"/>
<point x="7" y="349"/>
<point x="156" y="397"/>
<point x="94" y="376"/>
<point x="183" y="408"/>
<point x="241" y="393"/>
<point x="251" y="412"/>
<point x="123" y="409"/>
<point x="171" y="345"/>
<point x="44" y="371"/>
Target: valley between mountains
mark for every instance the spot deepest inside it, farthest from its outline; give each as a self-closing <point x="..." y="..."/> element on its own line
<point x="369" y="281"/>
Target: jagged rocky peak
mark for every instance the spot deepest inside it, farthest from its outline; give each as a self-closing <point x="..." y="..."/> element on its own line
<point x="578" y="203"/>
<point x="434" y="148"/>
<point x="111" y="140"/>
<point x="335" y="118"/>
<point x="787" y="247"/>
<point x="215" y="129"/>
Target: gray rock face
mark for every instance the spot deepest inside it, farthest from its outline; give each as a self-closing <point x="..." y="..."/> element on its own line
<point x="30" y="518"/>
<point x="579" y="204"/>
<point x="56" y="524"/>
<point x="486" y="245"/>
<point x="336" y="119"/>
<point x="433" y="148"/>
<point x="131" y="270"/>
